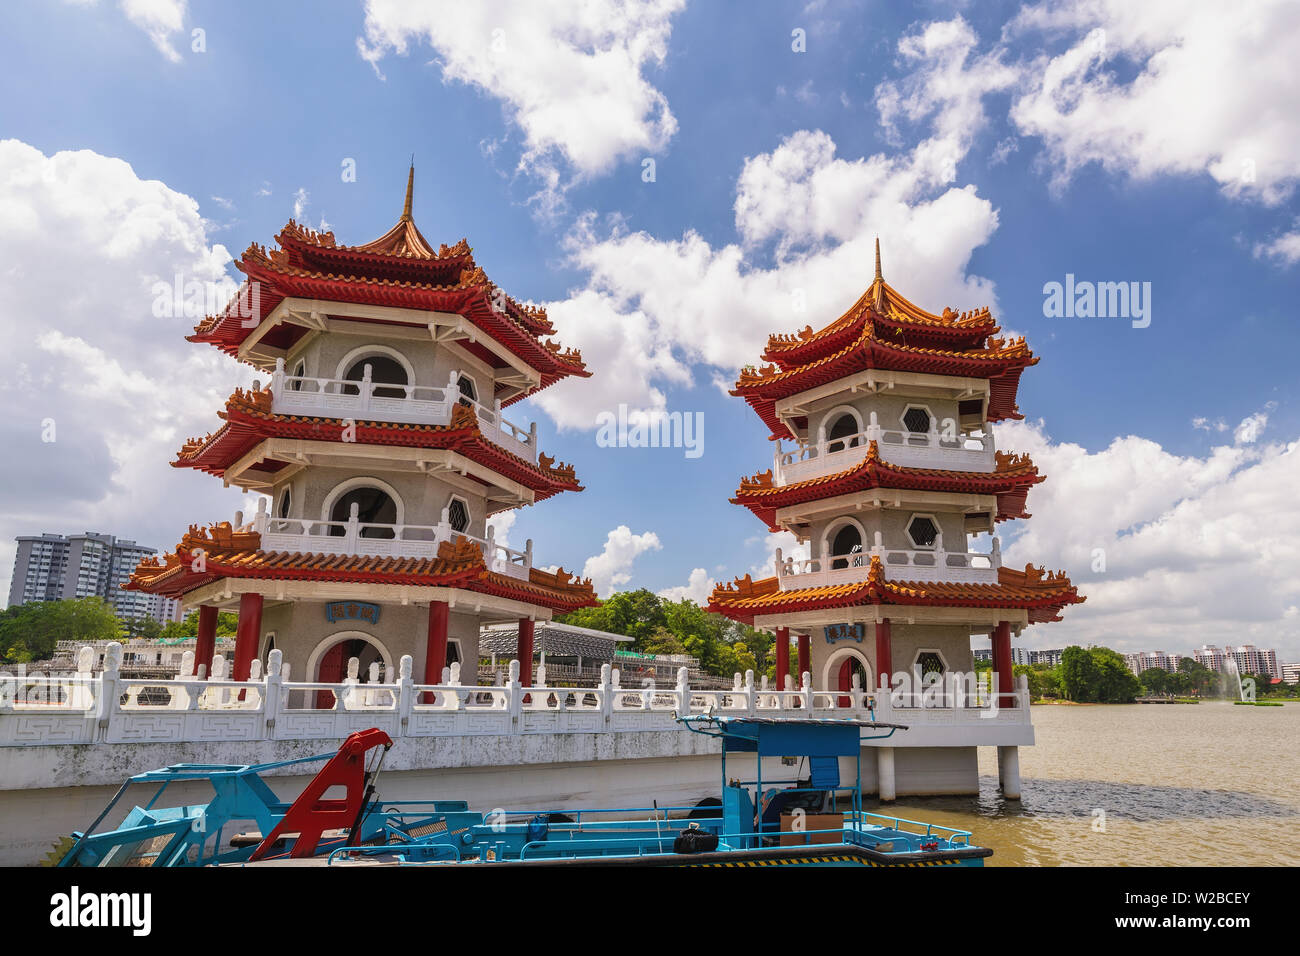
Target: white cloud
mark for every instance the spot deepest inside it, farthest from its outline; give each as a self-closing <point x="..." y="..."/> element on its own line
<point x="1197" y="549"/>
<point x="301" y="200"/>
<point x="611" y="569"/>
<point x="697" y="588"/>
<point x="159" y="19"/>
<point x="1248" y="432"/>
<point x="1215" y="90"/>
<point x="571" y="76"/>
<point x="120" y="387"/>
<point x="652" y="309"/>
<point x="501" y="523"/>
<point x="1283" y="249"/>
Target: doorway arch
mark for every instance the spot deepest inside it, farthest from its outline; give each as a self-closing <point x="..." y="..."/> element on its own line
<point x="837" y="673"/>
<point x="328" y="661"/>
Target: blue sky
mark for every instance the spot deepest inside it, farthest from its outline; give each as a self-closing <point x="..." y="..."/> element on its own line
<point x="993" y="149"/>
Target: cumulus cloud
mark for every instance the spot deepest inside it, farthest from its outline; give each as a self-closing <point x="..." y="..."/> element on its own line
<point x="697" y="588"/>
<point x="1196" y="102"/>
<point x="1283" y="249"/>
<point x="103" y="390"/>
<point x="1175" y="551"/>
<point x="611" y="569"/>
<point x="159" y="19"/>
<point x="571" y="77"/>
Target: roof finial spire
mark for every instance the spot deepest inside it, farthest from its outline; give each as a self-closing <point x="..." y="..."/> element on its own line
<point x="410" y="188"/>
<point x="878" y="275"/>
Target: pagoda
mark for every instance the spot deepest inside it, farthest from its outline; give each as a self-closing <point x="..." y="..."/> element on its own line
<point x="893" y="466"/>
<point x="382" y="448"/>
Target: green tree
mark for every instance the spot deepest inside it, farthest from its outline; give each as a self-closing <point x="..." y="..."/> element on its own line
<point x="1116" y="684"/>
<point x="227" y="625"/>
<point x="1078" y="674"/>
<point x="1156" y="680"/>
<point x="30" y="631"/>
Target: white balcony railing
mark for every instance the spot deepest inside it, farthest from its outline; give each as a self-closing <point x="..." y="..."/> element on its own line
<point x="932" y="449"/>
<point x="106" y="708"/>
<point x="368" y="400"/>
<point x="305" y="536"/>
<point x="901" y="564"/>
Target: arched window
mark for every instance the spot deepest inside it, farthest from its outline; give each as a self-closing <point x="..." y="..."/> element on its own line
<point x="285" y="502"/>
<point x="838" y="436"/>
<point x="458" y="515"/>
<point x="468" y="391"/>
<point x="373" y="507"/>
<point x="846" y="548"/>
<point x="383" y="369"/>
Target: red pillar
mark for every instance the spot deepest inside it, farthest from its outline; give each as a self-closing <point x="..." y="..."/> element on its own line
<point x="248" y="635"/>
<point x="1002" y="662"/>
<point x="805" y="655"/>
<point x="206" y="644"/>
<point x="435" y="648"/>
<point x="525" y="652"/>
<point x="782" y="656"/>
<point x="884" y="652"/>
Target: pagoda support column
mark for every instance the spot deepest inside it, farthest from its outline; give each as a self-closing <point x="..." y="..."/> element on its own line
<point x="782" y="656"/>
<point x="1009" y="772"/>
<point x="805" y="656"/>
<point x="526" y="628"/>
<point x="1006" y="681"/>
<point x="206" y="644"/>
<point x="435" y="648"/>
<point x="885" y="773"/>
<point x="248" y="634"/>
<point x="884" y="654"/>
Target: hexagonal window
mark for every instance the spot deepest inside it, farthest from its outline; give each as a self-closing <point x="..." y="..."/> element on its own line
<point x="923" y="531"/>
<point x="928" y="662"/>
<point x="458" y="515"/>
<point x="916" y="419"/>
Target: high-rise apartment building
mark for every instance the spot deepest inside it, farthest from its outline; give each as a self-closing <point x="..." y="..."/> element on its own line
<point x="51" y="567"/>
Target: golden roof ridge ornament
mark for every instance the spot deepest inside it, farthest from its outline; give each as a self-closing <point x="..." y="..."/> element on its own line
<point x="410" y="190"/>
<point x="878" y="284"/>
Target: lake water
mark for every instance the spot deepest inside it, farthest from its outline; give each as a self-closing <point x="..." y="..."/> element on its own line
<point x="1203" y="784"/>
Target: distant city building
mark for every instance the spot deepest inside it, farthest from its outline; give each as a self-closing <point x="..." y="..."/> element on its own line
<point x="52" y="567"/>
<point x="1248" y="658"/>
<point x="1291" y="673"/>
<point x="1049" y="657"/>
<point x="1018" y="655"/>
<point x="1146" y="660"/>
<point x="1209" y="656"/>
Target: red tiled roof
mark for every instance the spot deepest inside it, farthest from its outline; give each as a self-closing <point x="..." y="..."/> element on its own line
<point x="230" y="554"/>
<point x="1010" y="482"/>
<point x="1043" y="595"/>
<point x="249" y="420"/>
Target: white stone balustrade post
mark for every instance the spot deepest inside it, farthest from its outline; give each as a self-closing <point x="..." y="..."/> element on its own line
<point x="683" y="692"/>
<point x="779" y="562"/>
<point x="277" y="377"/>
<point x="995" y="556"/>
<point x="457" y="697"/>
<point x="647" y="692"/>
<point x="187" y="666"/>
<point x="856" y="699"/>
<point x="606" y="695"/>
<point x="110" y="689"/>
<point x="751" y="703"/>
<point x="366" y="389"/>
<point x="528" y="554"/>
<point x="806" y="691"/>
<point x="763" y="688"/>
<point x="514" y="696"/>
<point x="352" y="533"/>
<point x="405" y="694"/>
<point x="261" y="518"/>
<point x="532" y="440"/>
<point x="490" y="549"/>
<point x="272" y="690"/>
<point x="82" y="697"/>
<point x="873" y="428"/>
